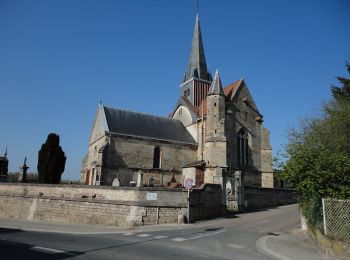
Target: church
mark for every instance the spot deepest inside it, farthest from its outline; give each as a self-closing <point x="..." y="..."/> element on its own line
<point x="213" y="132"/>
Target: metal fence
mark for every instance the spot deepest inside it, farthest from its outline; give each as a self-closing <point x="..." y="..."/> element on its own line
<point x="336" y="218"/>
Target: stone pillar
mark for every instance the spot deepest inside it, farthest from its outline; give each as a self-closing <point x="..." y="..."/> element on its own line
<point x="23" y="173"/>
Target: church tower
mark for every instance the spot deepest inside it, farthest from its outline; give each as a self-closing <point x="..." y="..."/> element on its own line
<point x="215" y="140"/>
<point x="197" y="79"/>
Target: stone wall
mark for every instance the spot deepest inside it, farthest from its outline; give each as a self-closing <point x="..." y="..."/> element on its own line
<point x="111" y="155"/>
<point x="257" y="198"/>
<point x="119" y="206"/>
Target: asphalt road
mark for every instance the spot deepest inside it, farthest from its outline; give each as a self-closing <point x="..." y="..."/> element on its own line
<point x="226" y="238"/>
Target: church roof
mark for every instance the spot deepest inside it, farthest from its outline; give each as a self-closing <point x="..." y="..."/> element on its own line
<point x="228" y="90"/>
<point x="147" y="126"/>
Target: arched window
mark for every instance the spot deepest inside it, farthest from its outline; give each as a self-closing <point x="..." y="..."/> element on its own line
<point x="157" y="160"/>
<point x="242" y="148"/>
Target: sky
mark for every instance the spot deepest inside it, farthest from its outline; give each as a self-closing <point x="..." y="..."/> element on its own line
<point x="58" y="59"/>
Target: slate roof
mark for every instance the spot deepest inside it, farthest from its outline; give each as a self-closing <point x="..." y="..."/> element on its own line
<point x="197" y="66"/>
<point x="147" y="126"/>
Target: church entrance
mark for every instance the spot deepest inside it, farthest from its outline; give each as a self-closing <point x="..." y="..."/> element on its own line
<point x="199" y="177"/>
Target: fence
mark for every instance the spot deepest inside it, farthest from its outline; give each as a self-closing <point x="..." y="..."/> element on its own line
<point x="336" y="218"/>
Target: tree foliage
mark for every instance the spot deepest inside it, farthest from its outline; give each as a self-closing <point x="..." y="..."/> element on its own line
<point x="318" y="154"/>
<point x="51" y="160"/>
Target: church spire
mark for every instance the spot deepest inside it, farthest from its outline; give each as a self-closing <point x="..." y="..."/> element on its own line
<point x="197" y="67"/>
<point x="216" y="85"/>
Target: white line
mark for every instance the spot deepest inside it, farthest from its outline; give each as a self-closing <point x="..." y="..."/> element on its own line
<point x="179" y="239"/>
<point x="128" y="234"/>
<point x="144" y="235"/>
<point x="262" y="246"/>
<point x="160" y="237"/>
<point x="206" y="235"/>
<point x="47" y="249"/>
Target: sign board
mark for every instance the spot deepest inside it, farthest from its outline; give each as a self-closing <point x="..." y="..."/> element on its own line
<point x="151" y="196"/>
<point x="188" y="183"/>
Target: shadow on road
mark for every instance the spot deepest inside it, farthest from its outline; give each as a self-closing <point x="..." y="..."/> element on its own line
<point x="9" y="230"/>
<point x="15" y="250"/>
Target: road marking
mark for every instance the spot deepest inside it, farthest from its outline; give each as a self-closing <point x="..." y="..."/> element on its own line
<point x="262" y="246"/>
<point x="236" y="246"/>
<point x="206" y="235"/>
<point x="128" y="234"/>
<point x="52" y="250"/>
<point x="144" y="235"/>
<point x="160" y="237"/>
<point x="179" y="239"/>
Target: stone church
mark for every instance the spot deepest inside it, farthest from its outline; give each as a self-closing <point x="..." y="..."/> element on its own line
<point x="212" y="132"/>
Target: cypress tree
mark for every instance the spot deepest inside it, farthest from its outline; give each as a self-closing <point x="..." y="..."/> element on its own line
<point x="51" y="160"/>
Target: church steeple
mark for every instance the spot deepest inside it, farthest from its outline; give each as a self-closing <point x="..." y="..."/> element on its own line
<point x="197" y="67"/>
<point x="216" y="85"/>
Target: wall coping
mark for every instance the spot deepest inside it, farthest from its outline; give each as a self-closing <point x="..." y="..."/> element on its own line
<point x="266" y="188"/>
<point x="89" y="200"/>
<point x="94" y="187"/>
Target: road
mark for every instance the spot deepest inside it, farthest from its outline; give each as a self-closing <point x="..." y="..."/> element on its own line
<point x="226" y="238"/>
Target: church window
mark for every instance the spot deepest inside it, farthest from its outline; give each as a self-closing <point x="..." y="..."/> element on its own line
<point x="242" y="148"/>
<point x="214" y="104"/>
<point x="157" y="158"/>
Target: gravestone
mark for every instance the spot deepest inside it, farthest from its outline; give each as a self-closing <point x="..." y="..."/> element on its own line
<point x="116" y="182"/>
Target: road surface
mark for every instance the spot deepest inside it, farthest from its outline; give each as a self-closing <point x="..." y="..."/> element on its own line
<point x="225" y="238"/>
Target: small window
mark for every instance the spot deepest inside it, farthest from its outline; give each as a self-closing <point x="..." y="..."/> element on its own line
<point x="157" y="160"/>
<point x="214" y="104"/>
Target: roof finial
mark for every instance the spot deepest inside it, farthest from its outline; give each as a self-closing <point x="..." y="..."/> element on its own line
<point x="100" y="101"/>
<point x="5" y="155"/>
<point x="197" y="7"/>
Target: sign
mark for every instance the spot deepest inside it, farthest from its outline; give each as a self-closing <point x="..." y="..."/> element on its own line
<point x="151" y="196"/>
<point x="188" y="183"/>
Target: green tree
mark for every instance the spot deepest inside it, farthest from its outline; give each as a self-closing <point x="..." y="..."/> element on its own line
<point x="318" y="154"/>
<point x="51" y="160"/>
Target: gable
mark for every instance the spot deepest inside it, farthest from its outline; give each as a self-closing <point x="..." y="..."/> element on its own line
<point x="242" y="94"/>
<point x="183" y="114"/>
<point x="100" y="126"/>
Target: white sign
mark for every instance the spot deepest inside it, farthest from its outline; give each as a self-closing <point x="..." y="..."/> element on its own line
<point x="151" y="196"/>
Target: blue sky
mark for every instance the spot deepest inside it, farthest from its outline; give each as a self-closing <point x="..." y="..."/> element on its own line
<point x="59" y="58"/>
